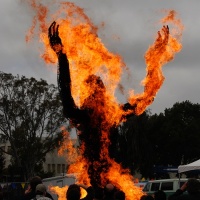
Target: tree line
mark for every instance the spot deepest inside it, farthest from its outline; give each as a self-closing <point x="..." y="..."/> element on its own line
<point x="167" y="139"/>
<point x="31" y="110"/>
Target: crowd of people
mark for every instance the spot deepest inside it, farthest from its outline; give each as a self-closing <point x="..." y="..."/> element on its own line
<point x="36" y="190"/>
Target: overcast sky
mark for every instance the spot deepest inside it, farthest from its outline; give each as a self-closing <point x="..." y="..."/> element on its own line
<point x="135" y="22"/>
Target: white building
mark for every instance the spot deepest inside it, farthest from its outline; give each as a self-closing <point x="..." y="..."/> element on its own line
<point x="54" y="162"/>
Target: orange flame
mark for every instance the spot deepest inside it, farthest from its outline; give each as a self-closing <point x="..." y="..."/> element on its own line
<point x="68" y="147"/>
<point x="87" y="55"/>
<point x="161" y="52"/>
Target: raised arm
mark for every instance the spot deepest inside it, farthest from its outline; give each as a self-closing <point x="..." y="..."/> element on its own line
<point x="157" y="55"/>
<point x="64" y="80"/>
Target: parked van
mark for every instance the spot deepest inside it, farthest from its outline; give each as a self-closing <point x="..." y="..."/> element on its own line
<point x="141" y="184"/>
<point x="169" y="186"/>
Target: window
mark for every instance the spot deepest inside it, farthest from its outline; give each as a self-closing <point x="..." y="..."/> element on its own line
<point x="63" y="168"/>
<point x="58" y="168"/>
<point x="167" y="186"/>
<point x="53" y="167"/>
<point x="49" y="168"/>
<point x="146" y="187"/>
<point x="155" y="186"/>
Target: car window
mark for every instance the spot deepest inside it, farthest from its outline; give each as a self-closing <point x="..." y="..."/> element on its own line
<point x="146" y="187"/>
<point x="167" y="185"/>
<point x="155" y="186"/>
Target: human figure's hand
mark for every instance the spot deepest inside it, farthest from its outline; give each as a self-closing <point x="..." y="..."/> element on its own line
<point x="163" y="38"/>
<point x="54" y="38"/>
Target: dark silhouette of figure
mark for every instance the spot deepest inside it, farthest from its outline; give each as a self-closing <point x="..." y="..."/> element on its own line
<point x="192" y="186"/>
<point x="98" y="193"/>
<point x="90" y="118"/>
<point x="119" y="195"/>
<point x="146" y="197"/>
<point x="160" y="195"/>
<point x="109" y="191"/>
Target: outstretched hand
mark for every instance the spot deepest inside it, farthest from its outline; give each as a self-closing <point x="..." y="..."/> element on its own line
<point x="54" y="39"/>
<point x="165" y="38"/>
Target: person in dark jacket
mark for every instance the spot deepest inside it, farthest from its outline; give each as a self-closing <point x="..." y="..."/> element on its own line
<point x="119" y="195"/>
<point x="160" y="195"/>
<point x="146" y="197"/>
<point x="192" y="186"/>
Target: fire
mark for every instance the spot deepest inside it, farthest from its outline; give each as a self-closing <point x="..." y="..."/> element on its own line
<point x="87" y="56"/>
<point x="162" y="51"/>
<point x="68" y="147"/>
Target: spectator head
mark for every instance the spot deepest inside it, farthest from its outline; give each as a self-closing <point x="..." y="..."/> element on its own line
<point x="109" y="190"/>
<point x="160" y="195"/>
<point x="149" y="197"/>
<point x="193" y="186"/>
<point x="98" y="193"/>
<point x="41" y="189"/>
<point x="73" y="192"/>
<point x="34" y="181"/>
<point x="119" y="195"/>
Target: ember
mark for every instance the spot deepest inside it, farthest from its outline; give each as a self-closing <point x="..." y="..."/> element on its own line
<point x="88" y="99"/>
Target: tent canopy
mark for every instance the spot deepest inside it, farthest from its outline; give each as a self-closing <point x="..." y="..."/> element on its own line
<point x="192" y="166"/>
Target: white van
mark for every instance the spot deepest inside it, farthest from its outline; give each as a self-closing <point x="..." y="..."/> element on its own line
<point x="169" y="186"/>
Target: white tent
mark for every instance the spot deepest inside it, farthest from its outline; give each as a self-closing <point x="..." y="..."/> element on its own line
<point x="189" y="167"/>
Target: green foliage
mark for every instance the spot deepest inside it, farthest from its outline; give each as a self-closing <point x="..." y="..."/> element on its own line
<point x="30" y="118"/>
<point x="168" y="139"/>
<point x="181" y="133"/>
<point x="131" y="147"/>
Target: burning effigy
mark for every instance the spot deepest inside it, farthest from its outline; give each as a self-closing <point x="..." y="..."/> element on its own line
<point x="88" y="75"/>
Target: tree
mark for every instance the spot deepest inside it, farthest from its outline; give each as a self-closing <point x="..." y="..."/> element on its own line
<point x="182" y="127"/>
<point x="156" y="137"/>
<point x="2" y="162"/>
<point x="130" y="146"/>
<point x="175" y="134"/>
<point x="30" y="118"/>
<point x="166" y="139"/>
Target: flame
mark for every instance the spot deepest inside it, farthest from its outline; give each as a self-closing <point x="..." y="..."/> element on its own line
<point x="88" y="56"/>
<point x="159" y="53"/>
<point x="61" y="192"/>
<point x="68" y="147"/>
